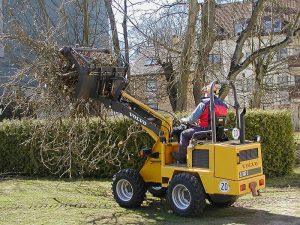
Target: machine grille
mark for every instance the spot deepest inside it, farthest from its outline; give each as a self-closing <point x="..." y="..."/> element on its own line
<point x="248" y="154"/>
<point x="200" y="158"/>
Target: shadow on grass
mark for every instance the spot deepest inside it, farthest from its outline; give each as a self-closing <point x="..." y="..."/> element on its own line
<point x="157" y="212"/>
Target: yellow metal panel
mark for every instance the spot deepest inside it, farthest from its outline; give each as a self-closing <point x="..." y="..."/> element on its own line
<point x="151" y="170"/>
<point x="234" y="186"/>
<point x="227" y="162"/>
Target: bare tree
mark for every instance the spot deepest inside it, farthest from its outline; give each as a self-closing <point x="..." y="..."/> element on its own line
<point x="125" y="35"/>
<point x="237" y="64"/>
<point x="205" y="44"/>
<point x="113" y="26"/>
<point x="42" y="86"/>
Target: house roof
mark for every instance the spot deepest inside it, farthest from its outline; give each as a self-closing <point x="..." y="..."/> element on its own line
<point x="228" y="14"/>
<point x="139" y="66"/>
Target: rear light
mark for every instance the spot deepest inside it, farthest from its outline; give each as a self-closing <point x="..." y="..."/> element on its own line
<point x="242" y="187"/>
<point x="261" y="182"/>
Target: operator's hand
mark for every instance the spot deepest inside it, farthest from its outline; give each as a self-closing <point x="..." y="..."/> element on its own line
<point x="183" y="120"/>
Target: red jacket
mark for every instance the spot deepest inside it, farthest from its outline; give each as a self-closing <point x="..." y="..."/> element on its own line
<point x="220" y="110"/>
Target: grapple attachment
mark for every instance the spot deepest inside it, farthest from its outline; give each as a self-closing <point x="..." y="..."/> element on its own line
<point x="95" y="72"/>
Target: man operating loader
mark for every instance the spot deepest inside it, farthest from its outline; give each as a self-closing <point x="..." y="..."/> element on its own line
<point x="201" y="115"/>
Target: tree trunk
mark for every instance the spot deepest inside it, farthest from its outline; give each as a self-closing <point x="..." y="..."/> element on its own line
<point x="113" y="27"/>
<point x="185" y="60"/>
<point x="258" y="91"/>
<point x="205" y="45"/>
<point x="235" y="65"/>
<point x="125" y="35"/>
<point x="86" y="23"/>
<point x="171" y="83"/>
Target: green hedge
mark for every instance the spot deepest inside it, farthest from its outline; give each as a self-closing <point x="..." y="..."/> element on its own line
<point x="18" y="156"/>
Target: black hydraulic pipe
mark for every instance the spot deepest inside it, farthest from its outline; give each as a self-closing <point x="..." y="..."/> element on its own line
<point x="242" y="129"/>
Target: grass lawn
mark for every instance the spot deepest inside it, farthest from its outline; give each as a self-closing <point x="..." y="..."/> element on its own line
<point x="36" y="201"/>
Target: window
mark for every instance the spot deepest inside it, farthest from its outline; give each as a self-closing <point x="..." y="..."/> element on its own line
<point x="240" y="25"/>
<point x="150" y="62"/>
<point x="269" y="81"/>
<point x="277" y="25"/>
<point x="282" y="80"/>
<point x="238" y="28"/>
<point x="282" y="54"/>
<point x="214" y="58"/>
<point x="151" y="86"/>
<point x="267" y="25"/>
<point x="272" y="25"/>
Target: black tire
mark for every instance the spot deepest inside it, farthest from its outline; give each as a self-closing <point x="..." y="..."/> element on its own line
<point x="157" y="191"/>
<point x="186" y="195"/>
<point x="222" y="201"/>
<point x="128" y="188"/>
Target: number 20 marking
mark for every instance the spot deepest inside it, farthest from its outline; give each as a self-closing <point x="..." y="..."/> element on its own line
<point x="224" y="186"/>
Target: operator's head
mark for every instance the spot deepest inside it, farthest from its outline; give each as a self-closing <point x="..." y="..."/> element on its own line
<point x="206" y="90"/>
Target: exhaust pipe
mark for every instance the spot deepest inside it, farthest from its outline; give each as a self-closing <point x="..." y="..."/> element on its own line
<point x="242" y="126"/>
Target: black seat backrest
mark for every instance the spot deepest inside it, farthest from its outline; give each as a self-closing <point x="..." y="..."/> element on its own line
<point x="220" y="125"/>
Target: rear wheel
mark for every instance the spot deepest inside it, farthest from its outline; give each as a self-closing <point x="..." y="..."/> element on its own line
<point x="128" y="188"/>
<point x="157" y="191"/>
<point x="186" y="195"/>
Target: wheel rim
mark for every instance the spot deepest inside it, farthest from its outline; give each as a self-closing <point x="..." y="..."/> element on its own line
<point x="124" y="190"/>
<point x="181" y="196"/>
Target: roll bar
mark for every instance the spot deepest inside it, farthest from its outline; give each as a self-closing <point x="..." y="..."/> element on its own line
<point x="212" y="105"/>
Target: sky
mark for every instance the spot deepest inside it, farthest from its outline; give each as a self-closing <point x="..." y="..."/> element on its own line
<point x="136" y="8"/>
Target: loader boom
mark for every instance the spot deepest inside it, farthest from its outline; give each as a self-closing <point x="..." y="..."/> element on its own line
<point x="107" y="84"/>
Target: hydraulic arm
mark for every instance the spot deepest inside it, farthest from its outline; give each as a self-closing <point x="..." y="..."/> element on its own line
<point x="106" y="84"/>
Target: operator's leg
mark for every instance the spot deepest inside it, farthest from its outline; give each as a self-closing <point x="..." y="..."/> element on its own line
<point x="185" y="138"/>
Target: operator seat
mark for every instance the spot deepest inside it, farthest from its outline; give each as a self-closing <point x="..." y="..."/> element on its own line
<point x="220" y="131"/>
<point x="220" y="126"/>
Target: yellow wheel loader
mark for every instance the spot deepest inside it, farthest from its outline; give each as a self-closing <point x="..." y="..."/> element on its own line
<point x="217" y="169"/>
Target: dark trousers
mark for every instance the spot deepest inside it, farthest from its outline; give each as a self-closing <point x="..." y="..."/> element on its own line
<point x="185" y="138"/>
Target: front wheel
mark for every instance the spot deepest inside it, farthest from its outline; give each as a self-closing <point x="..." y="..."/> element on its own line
<point x="186" y="195"/>
<point x="128" y="188"/>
